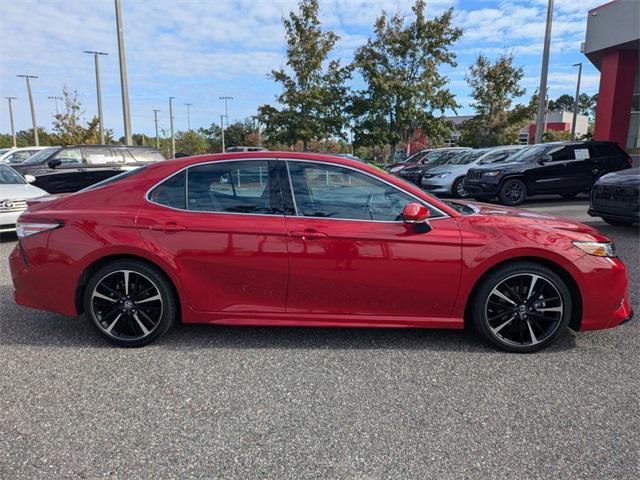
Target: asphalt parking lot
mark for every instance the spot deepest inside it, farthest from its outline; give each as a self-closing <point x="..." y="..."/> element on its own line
<point x="226" y="402"/>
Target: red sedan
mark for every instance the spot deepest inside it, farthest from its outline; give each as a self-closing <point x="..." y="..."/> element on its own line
<point x="275" y="238"/>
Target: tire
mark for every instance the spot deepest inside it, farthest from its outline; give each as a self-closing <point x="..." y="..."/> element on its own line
<point x="530" y="324"/>
<point x="617" y="223"/>
<point x="457" y="190"/>
<point x="133" y="315"/>
<point x="512" y="192"/>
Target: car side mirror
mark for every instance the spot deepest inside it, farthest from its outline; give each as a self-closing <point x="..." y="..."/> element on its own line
<point x="416" y="215"/>
<point x="545" y="159"/>
<point x="30" y="178"/>
<point x="56" y="162"/>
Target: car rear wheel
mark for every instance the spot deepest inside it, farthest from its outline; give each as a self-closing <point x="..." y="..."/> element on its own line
<point x="130" y="302"/>
<point x="513" y="192"/>
<point x="522" y="307"/>
<point x="458" y="188"/>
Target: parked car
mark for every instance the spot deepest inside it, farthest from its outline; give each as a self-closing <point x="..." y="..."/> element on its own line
<point x="71" y="168"/>
<point x="433" y="159"/>
<point x="245" y="149"/>
<point x="562" y="168"/>
<point x="19" y="155"/>
<point x="286" y="238"/>
<point x="350" y="157"/>
<point x="616" y="197"/>
<point x="15" y="190"/>
<point x="448" y="179"/>
<point x="410" y="161"/>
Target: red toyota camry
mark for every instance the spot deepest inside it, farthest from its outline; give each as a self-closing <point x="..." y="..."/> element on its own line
<point x="275" y="238"/>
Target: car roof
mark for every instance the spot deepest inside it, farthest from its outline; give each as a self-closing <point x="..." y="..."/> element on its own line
<point x="93" y="145"/>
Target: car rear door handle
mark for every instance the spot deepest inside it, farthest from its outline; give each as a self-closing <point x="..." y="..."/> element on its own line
<point x="168" y="227"/>
<point x="307" y="234"/>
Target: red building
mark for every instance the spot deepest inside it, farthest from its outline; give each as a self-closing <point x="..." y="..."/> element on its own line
<point x="612" y="44"/>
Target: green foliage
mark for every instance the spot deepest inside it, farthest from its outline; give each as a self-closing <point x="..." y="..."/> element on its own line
<point x="242" y="133"/>
<point x="494" y="87"/>
<point x="191" y="142"/>
<point x="24" y="138"/>
<point x="555" y="136"/>
<point x="401" y="67"/>
<point x="67" y="126"/>
<point x="313" y="93"/>
<point x="565" y="103"/>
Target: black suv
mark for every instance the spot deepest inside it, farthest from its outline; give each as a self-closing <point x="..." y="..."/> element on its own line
<point x="563" y="168"/>
<point x="74" y="167"/>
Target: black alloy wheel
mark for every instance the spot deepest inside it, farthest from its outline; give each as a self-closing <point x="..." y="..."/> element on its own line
<point x="522" y="307"/>
<point x="130" y="302"/>
<point x="513" y="192"/>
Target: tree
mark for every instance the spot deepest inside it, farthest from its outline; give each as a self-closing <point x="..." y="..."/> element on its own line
<point x="314" y="91"/>
<point x="191" y="142"/>
<point x="67" y="126"/>
<point x="401" y="67"/>
<point x="242" y="133"/>
<point x="565" y="103"/>
<point x="213" y="137"/>
<point x="494" y="87"/>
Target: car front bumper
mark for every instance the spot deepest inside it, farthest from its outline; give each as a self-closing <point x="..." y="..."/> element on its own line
<point x="8" y="221"/>
<point x="478" y="187"/>
<point x="437" y="185"/>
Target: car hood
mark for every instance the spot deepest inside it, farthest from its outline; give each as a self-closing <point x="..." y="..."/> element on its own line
<point x="623" y="178"/>
<point x="528" y="217"/>
<point x="453" y="168"/>
<point x="20" y="191"/>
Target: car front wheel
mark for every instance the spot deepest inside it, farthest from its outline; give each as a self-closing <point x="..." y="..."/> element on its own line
<point x="130" y="302"/>
<point x="522" y="307"/>
<point x="459" y="190"/>
<point x="513" y="192"/>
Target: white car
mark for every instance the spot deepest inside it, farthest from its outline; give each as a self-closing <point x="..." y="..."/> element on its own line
<point x="15" y="190"/>
<point x="18" y="155"/>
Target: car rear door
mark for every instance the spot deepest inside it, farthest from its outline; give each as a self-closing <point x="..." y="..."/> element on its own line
<point x="351" y="255"/>
<point x="564" y="172"/>
<point x="222" y="225"/>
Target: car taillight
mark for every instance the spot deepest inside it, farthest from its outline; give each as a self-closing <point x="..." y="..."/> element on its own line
<point x="26" y="229"/>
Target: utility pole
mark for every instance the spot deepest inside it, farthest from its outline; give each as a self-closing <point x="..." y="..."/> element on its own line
<point x="577" y="102"/>
<point x="189" y="105"/>
<point x="124" y="87"/>
<point x="33" y="109"/>
<point x="98" y="92"/>
<point x="155" y="117"/>
<point x="222" y="131"/>
<point x="55" y="99"/>
<point x="543" y="74"/>
<point x="173" y="140"/>
<point x="13" y="128"/>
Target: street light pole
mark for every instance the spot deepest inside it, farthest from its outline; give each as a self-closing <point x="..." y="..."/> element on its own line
<point x="173" y="140"/>
<point x="543" y="74"/>
<point x="13" y="128"/>
<point x="55" y="100"/>
<point x="222" y="130"/>
<point x="33" y="109"/>
<point x="98" y="92"/>
<point x="124" y="87"/>
<point x="577" y="101"/>
<point x="189" y="105"/>
<point x="155" y="117"/>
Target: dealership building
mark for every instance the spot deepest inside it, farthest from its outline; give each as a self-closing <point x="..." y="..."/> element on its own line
<point x="612" y="45"/>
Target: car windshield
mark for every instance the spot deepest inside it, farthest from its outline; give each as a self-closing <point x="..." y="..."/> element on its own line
<point x="41" y="156"/>
<point x="528" y="154"/>
<point x="440" y="158"/>
<point x="8" y="176"/>
<point x="467" y="157"/>
<point x="4" y="150"/>
<point x="415" y="156"/>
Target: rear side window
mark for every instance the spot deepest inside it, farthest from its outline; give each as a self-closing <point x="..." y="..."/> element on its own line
<point x="139" y="155"/>
<point x="232" y="187"/>
<point x="100" y="156"/>
<point x="171" y="192"/>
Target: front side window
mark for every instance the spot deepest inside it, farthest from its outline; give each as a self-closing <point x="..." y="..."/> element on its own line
<point x="234" y="187"/>
<point x="69" y="156"/>
<point x="331" y="191"/>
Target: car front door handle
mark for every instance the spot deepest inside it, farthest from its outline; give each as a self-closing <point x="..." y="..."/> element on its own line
<point x="307" y="234"/>
<point x="169" y="227"/>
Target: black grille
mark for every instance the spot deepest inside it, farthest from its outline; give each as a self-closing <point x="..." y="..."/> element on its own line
<point x="615" y="196"/>
<point x="474" y="174"/>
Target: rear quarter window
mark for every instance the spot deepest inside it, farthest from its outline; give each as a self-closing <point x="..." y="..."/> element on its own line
<point x="171" y="193"/>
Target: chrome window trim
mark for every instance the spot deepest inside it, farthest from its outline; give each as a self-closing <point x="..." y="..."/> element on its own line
<point x="269" y="215"/>
<point x="419" y="200"/>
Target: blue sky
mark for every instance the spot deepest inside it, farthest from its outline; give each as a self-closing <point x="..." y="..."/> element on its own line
<point x="198" y="50"/>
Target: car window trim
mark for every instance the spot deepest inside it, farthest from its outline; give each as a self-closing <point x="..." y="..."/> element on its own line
<point x="186" y="187"/>
<point x="323" y="162"/>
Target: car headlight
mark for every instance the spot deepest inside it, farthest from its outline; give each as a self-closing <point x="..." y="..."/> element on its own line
<point x="598" y="249"/>
<point x="494" y="173"/>
<point x="444" y="174"/>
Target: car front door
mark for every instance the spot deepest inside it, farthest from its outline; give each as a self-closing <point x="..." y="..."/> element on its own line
<point x="222" y="225"/>
<point x="350" y="253"/>
<point x="67" y="175"/>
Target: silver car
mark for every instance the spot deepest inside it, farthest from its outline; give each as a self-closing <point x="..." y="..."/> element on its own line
<point x="447" y="179"/>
